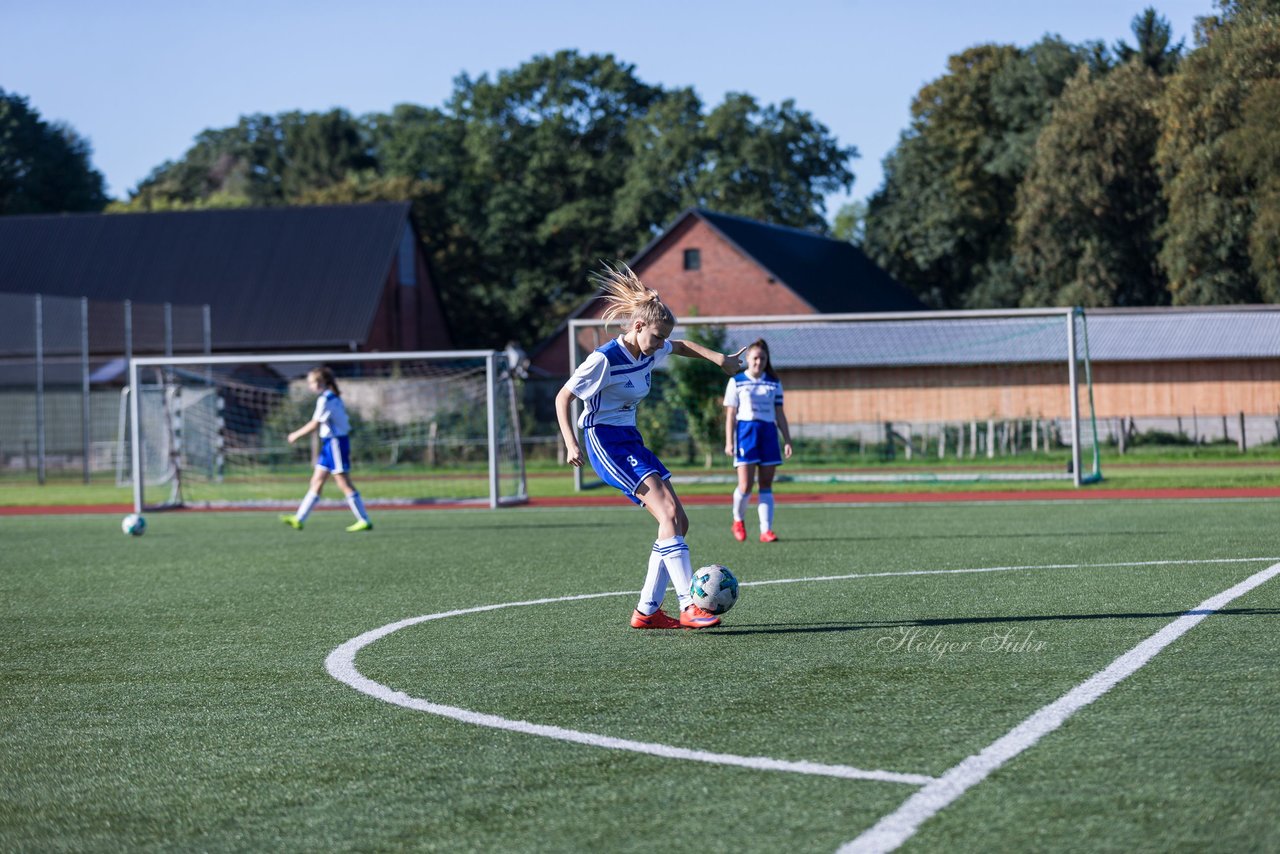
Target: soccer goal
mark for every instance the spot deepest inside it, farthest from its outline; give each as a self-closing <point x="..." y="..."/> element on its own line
<point x="426" y="427"/>
<point x="911" y="396"/>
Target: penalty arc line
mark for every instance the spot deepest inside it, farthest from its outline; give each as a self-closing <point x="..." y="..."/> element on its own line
<point x="341" y="666"/>
<point x="899" y="826"/>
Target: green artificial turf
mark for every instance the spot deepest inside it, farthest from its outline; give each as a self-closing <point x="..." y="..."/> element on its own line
<point x="169" y="692"/>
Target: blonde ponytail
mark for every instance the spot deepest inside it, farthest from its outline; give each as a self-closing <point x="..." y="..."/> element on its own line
<point x="629" y="298"/>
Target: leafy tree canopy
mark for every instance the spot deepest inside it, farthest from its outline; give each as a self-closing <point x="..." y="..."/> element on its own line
<point x="1218" y="242"/>
<point x="524" y="181"/>
<point x="941" y="223"/>
<point x="44" y="168"/>
<point x="1089" y="207"/>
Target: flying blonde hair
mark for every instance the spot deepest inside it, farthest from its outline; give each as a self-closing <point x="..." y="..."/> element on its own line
<point x="629" y="298"/>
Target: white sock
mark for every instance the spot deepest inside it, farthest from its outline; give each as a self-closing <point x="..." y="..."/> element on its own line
<point x="765" y="509"/>
<point x="675" y="555"/>
<point x="655" y="583"/>
<point x="740" y="502"/>
<point x="357" y="506"/>
<point x="308" y="501"/>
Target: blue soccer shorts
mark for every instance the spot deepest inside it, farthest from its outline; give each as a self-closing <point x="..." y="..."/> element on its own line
<point x="620" y="458"/>
<point x="757" y="444"/>
<point x="335" y="455"/>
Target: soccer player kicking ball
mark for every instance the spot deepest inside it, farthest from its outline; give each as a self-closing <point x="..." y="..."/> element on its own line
<point x="610" y="383"/>
<point x="330" y="419"/>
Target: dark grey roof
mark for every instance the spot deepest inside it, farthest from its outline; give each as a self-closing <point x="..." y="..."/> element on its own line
<point x="274" y="277"/>
<point x="1185" y="334"/>
<point x="1154" y="335"/>
<point x="831" y="275"/>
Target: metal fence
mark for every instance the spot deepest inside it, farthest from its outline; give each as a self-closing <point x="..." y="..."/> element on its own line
<point x="63" y="368"/>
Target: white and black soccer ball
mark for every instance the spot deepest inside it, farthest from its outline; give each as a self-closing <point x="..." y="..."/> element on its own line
<point x="134" y="525"/>
<point x="714" y="588"/>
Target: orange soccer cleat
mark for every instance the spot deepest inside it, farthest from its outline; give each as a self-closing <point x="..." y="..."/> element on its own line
<point x="768" y="537"/>
<point x="657" y="620"/>
<point x="740" y="531"/>
<point x="693" y="617"/>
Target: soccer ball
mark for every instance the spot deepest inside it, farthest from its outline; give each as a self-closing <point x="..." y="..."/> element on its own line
<point x="133" y="524"/>
<point x="714" y="588"/>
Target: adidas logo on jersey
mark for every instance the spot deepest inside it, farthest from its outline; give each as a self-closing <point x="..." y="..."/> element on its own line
<point x="628" y="384"/>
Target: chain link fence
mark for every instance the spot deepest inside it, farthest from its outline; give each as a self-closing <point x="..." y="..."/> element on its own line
<point x="63" y="371"/>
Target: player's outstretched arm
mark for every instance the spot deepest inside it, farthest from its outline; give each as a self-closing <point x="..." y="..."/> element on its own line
<point x="572" y="453"/>
<point x="309" y="427"/>
<point x="730" y="363"/>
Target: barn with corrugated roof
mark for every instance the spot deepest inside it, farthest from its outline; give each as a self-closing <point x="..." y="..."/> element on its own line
<point x="348" y="277"/>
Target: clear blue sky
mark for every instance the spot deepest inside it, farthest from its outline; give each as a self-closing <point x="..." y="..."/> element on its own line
<point x="140" y="78"/>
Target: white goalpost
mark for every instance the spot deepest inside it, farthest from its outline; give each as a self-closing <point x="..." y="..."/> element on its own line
<point x="427" y="427"/>
<point x="944" y="395"/>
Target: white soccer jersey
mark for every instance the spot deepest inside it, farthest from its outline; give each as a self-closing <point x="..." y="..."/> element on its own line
<point x="755" y="398"/>
<point x="332" y="415"/>
<point x="610" y="383"/>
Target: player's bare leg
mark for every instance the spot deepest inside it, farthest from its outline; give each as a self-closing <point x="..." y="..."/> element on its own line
<point x="660" y="499"/>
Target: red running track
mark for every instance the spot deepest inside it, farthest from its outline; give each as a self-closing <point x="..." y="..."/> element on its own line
<point x="605" y="499"/>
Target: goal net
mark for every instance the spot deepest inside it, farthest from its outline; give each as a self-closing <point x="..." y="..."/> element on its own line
<point x="426" y="427"/>
<point x="924" y="396"/>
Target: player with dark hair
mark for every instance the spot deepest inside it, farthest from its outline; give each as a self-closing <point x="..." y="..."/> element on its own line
<point x="753" y="421"/>
<point x="330" y="419"/>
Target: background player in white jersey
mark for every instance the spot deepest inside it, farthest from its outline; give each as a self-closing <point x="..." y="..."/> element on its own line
<point x="330" y="419"/>
<point x="753" y="420"/>
<point x="610" y="382"/>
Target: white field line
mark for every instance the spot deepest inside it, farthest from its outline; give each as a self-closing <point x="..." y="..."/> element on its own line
<point x="899" y="826"/>
<point x="341" y="666"/>
<point x="1009" y="569"/>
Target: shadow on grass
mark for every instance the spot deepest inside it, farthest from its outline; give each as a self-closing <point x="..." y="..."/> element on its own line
<point x="872" y="625"/>
<point x="982" y="536"/>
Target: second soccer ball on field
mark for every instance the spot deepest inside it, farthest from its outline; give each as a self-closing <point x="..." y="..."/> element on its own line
<point x="714" y="588"/>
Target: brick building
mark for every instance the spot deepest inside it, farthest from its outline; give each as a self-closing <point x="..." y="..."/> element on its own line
<point x="715" y="265"/>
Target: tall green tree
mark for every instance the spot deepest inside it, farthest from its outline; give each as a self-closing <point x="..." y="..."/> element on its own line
<point x="850" y="223"/>
<point x="774" y="163"/>
<point x="44" y="167"/>
<point x="571" y="158"/>
<point x="533" y="175"/>
<point x="1090" y="205"/>
<point x="1254" y="147"/>
<point x="1154" y="47"/>
<point x="545" y="150"/>
<point x="942" y="222"/>
<point x="1217" y="192"/>
<point x="262" y="160"/>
